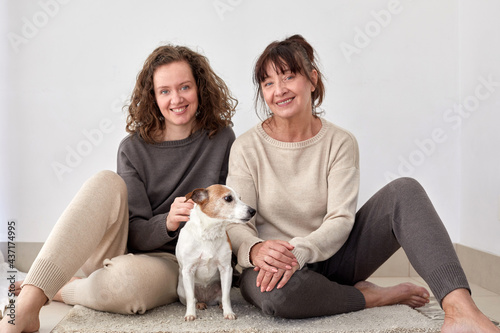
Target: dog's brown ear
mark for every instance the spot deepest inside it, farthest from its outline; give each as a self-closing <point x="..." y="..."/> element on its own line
<point x="198" y="196"/>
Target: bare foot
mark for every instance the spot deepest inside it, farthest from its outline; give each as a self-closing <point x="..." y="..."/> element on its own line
<point x="25" y="317"/>
<point x="404" y="293"/>
<point x="462" y="315"/>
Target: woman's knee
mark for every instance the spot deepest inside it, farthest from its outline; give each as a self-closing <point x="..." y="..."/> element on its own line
<point x="407" y="190"/>
<point x="413" y="207"/>
<point x="278" y="302"/>
<point x="399" y="190"/>
<point x="406" y="185"/>
<point x="110" y="179"/>
<point x="105" y="188"/>
<point x="111" y="191"/>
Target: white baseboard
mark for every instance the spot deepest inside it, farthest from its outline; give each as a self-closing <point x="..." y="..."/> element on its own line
<point x="24" y="253"/>
<point x="481" y="268"/>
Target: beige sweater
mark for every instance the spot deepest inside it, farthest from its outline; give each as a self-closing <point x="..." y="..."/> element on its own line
<point x="304" y="192"/>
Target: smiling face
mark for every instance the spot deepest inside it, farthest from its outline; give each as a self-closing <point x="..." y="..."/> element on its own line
<point x="176" y="95"/>
<point x="287" y="94"/>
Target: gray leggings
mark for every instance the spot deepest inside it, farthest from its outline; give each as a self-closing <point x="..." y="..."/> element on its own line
<point x="399" y="215"/>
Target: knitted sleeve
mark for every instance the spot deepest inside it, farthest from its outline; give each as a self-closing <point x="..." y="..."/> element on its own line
<point x="343" y="187"/>
<point x="243" y="236"/>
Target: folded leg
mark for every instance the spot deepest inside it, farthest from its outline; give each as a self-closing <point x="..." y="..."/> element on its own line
<point x="127" y="284"/>
<point x="93" y="227"/>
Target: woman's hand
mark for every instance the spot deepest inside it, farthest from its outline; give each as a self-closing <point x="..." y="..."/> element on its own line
<point x="267" y="280"/>
<point x="179" y="212"/>
<point x="273" y="255"/>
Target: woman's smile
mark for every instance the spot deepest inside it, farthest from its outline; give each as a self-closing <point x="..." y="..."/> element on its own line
<point x="285" y="102"/>
<point x="179" y="110"/>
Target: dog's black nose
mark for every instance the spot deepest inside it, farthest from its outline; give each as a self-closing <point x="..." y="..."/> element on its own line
<point x="251" y="211"/>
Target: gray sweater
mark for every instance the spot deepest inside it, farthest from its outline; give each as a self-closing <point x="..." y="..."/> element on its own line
<point x="156" y="174"/>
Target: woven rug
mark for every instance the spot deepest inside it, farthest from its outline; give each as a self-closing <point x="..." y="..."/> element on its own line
<point x="170" y="318"/>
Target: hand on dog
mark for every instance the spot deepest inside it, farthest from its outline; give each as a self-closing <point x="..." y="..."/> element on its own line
<point x="267" y="280"/>
<point x="179" y="212"/>
<point x="273" y="255"/>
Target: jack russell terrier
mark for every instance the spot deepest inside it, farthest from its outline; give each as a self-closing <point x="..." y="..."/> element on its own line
<point x="203" y="248"/>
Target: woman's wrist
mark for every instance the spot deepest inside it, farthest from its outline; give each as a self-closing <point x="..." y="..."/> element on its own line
<point x="169" y="226"/>
<point x="253" y="252"/>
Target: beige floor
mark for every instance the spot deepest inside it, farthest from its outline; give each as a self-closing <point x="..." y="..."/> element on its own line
<point x="487" y="301"/>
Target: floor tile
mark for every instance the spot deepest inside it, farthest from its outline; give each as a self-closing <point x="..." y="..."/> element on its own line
<point x="489" y="305"/>
<point x="51" y="315"/>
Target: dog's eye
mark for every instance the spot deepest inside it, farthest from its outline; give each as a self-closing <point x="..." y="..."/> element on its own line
<point x="228" y="198"/>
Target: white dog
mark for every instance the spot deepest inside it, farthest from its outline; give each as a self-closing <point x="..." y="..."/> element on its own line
<point x="203" y="248"/>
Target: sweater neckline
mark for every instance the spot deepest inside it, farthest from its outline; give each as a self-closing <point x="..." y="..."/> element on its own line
<point x="293" y="145"/>
<point x="183" y="142"/>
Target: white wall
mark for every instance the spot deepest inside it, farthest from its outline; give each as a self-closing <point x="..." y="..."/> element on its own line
<point x="393" y="71"/>
<point x="5" y="185"/>
<point x="480" y="138"/>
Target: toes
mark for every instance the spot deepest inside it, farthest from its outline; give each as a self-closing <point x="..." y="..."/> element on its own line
<point x="416" y="304"/>
<point x="415" y="301"/>
<point x="230" y="316"/>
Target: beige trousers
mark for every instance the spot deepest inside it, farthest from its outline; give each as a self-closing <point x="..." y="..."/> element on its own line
<point x="92" y="234"/>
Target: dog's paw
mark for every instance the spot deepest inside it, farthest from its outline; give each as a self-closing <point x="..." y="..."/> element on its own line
<point x="230" y="316"/>
<point x="201" y="306"/>
<point x="189" y="317"/>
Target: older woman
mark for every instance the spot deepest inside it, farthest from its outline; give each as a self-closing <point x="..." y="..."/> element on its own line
<point x="307" y="252"/>
<point x="180" y="137"/>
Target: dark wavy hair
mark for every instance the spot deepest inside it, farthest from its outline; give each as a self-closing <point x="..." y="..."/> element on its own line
<point x="216" y="105"/>
<point x="294" y="54"/>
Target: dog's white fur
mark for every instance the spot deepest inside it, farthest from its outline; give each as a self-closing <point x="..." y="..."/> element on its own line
<point x="203" y="248"/>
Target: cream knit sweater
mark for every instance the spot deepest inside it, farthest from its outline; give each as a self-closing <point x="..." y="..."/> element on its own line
<point x="304" y="192"/>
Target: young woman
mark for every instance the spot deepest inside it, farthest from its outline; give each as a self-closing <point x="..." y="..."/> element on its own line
<point x="307" y="252"/>
<point x="121" y="229"/>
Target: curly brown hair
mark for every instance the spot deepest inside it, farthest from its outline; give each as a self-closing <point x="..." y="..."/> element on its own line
<point x="294" y="54"/>
<point x="216" y="105"/>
